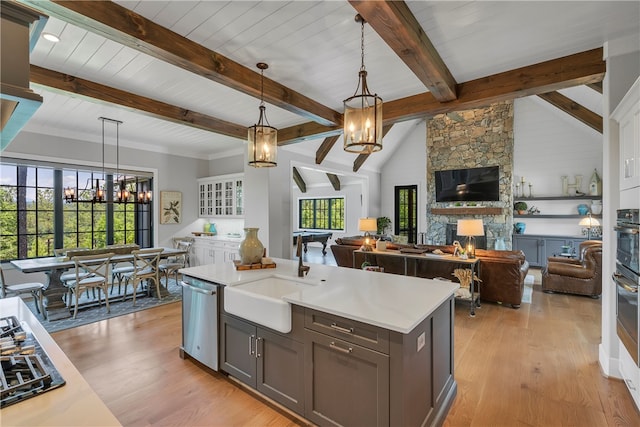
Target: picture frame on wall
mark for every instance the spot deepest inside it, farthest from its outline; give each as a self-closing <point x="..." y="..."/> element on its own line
<point x="170" y="207"/>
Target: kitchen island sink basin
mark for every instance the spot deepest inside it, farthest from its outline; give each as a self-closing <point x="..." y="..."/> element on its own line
<point x="260" y="301"/>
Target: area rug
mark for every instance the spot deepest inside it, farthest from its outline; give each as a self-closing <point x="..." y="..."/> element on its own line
<point x="117" y="307"/>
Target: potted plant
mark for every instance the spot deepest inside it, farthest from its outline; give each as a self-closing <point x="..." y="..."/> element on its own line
<point x="521" y="207"/>
<point x="383" y="222"/>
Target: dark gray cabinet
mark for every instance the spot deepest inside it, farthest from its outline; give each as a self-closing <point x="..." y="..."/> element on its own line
<point x="337" y="371"/>
<point x="537" y="248"/>
<point x="348" y="384"/>
<point x="267" y="361"/>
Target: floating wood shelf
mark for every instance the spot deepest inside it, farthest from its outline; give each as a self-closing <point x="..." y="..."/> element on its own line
<point x="465" y="210"/>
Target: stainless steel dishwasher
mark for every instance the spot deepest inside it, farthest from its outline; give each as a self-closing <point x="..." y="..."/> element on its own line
<point x="200" y="321"/>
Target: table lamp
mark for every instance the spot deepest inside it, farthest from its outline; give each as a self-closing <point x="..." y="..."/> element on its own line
<point x="589" y="223"/>
<point x="367" y="225"/>
<point x="470" y="228"/>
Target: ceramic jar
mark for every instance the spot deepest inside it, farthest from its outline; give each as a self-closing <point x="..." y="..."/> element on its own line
<point x="583" y="209"/>
<point x="596" y="207"/>
<point x="251" y="248"/>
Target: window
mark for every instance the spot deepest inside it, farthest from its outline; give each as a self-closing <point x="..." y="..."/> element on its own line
<point x="406" y="211"/>
<point x="321" y="214"/>
<point x="34" y="218"/>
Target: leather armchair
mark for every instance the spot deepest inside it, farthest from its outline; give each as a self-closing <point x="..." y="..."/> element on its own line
<point x="582" y="276"/>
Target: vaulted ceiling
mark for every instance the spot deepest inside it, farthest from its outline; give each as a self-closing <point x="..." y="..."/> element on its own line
<point x="181" y="75"/>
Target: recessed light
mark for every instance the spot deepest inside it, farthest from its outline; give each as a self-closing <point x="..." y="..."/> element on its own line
<point x="51" y="37"/>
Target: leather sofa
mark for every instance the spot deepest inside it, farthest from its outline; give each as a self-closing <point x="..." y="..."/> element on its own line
<point x="581" y="276"/>
<point x="502" y="272"/>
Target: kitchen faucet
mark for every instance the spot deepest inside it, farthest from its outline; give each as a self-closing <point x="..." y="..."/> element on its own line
<point x="302" y="269"/>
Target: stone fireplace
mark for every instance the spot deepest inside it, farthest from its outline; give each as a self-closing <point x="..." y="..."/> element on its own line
<point x="467" y="139"/>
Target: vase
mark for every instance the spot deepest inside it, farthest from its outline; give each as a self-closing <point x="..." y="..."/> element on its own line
<point x="519" y="227"/>
<point x="500" y="245"/>
<point x="205" y="227"/>
<point x="583" y="209"/>
<point x="596" y="207"/>
<point x="251" y="249"/>
<point x="212" y="229"/>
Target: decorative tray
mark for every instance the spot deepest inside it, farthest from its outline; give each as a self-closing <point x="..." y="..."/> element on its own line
<point x="256" y="266"/>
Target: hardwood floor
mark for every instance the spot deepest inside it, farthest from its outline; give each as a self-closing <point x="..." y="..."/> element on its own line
<point x="536" y="366"/>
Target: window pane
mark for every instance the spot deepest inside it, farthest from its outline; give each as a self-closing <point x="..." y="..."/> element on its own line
<point x="31" y="176"/>
<point x="45" y="222"/>
<point x="8" y="247"/>
<point x="45" y="178"/>
<point x="8" y="175"/>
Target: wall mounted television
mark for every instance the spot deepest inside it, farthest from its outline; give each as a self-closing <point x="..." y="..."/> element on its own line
<point x="468" y="185"/>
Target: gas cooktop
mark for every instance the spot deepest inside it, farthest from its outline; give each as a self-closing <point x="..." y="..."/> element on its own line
<point x="27" y="370"/>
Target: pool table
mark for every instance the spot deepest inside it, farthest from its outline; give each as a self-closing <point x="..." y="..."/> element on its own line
<point x="313" y="236"/>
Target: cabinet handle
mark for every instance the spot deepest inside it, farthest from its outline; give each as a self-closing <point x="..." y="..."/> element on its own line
<point x="251" y="345"/>
<point x="258" y="344"/>
<point x="343" y="350"/>
<point x="630" y="385"/>
<point x="341" y="329"/>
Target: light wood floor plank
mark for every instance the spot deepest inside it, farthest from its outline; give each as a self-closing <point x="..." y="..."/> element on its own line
<point x="535" y="366"/>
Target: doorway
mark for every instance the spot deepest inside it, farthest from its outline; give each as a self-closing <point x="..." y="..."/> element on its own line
<point x="406" y="212"/>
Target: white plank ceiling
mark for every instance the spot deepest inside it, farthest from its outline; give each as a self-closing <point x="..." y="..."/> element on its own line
<point x="312" y="47"/>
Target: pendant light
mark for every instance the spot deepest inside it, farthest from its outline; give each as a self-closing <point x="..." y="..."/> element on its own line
<point x="362" y="112"/>
<point x="98" y="192"/>
<point x="122" y="195"/>
<point x="263" y="138"/>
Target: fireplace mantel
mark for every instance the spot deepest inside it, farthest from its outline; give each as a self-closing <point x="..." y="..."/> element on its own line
<point x="465" y="210"/>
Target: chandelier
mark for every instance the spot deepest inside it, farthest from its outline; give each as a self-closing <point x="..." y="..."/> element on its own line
<point x="362" y="112"/>
<point x="123" y="194"/>
<point x="263" y="138"/>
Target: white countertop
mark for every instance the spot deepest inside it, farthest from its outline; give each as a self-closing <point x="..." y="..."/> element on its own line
<point x="220" y="238"/>
<point x="73" y="404"/>
<point x="390" y="301"/>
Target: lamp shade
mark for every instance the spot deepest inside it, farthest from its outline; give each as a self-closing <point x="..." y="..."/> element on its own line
<point x="589" y="222"/>
<point x="470" y="227"/>
<point x="367" y="224"/>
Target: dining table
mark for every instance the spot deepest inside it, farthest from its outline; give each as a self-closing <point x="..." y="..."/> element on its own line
<point x="54" y="290"/>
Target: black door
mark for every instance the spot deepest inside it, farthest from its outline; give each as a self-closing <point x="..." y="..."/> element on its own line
<point x="406" y="211"/>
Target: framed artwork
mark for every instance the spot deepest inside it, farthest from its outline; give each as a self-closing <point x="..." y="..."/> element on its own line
<point x="170" y="207"/>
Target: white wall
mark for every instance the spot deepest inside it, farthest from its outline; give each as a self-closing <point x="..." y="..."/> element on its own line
<point x="548" y="144"/>
<point x="406" y="167"/>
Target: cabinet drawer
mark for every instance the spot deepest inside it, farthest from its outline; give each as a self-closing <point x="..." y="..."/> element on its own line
<point x="353" y="331"/>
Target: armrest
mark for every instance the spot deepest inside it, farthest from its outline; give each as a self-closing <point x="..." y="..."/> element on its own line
<point x="564" y="260"/>
<point x="569" y="270"/>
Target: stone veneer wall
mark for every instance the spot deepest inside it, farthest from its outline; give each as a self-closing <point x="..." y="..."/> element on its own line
<point x="468" y="139"/>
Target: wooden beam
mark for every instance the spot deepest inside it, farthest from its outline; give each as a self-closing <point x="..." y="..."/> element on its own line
<point x="398" y="27"/>
<point x="325" y="147"/>
<point x="574" y="109"/>
<point x="306" y="131"/>
<point x="96" y="92"/>
<point x="335" y="181"/>
<point x="359" y="161"/>
<point x="297" y="178"/>
<point x="126" y="27"/>
<point x="596" y="86"/>
<point x="573" y="70"/>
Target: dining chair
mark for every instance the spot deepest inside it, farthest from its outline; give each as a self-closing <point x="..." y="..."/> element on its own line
<point x="34" y="288"/>
<point x="70" y="274"/>
<point x="92" y="272"/>
<point x="146" y="267"/>
<point x="172" y="265"/>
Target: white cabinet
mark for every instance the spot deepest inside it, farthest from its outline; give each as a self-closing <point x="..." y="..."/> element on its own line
<point x="221" y="196"/>
<point x="630" y="373"/>
<point x="627" y="114"/>
<point x="214" y="251"/>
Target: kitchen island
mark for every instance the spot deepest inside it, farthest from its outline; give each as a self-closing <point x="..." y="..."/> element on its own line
<point x="73" y="404"/>
<point x="363" y="348"/>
